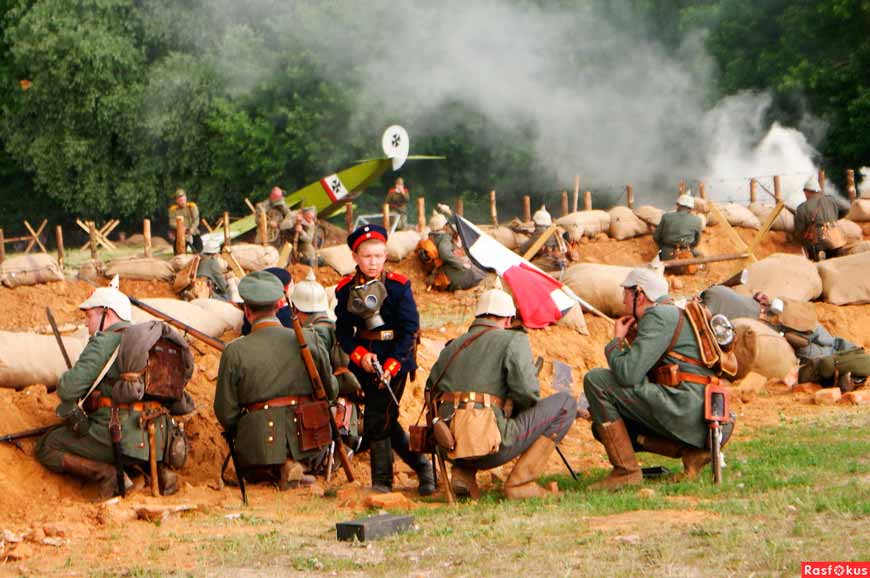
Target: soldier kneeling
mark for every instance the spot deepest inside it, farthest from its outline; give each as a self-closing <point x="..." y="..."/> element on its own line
<point x="264" y="395"/>
<point x="473" y="379"/>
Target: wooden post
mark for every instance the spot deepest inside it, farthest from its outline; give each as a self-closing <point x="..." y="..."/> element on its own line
<point x="92" y="235"/>
<point x="576" y="191"/>
<point x="421" y="214"/>
<point x="587" y="200"/>
<point x="146" y="234"/>
<point x="564" y="203"/>
<point x="180" y="234"/>
<point x="226" y="231"/>
<point x="752" y="192"/>
<point x="702" y="190"/>
<point x="681" y="188"/>
<point x="850" y="185"/>
<point x="460" y="207"/>
<point x="262" y="228"/>
<point x="527" y="209"/>
<point x="58" y="233"/>
<point x="348" y="216"/>
<point x="822" y="180"/>
<point x="493" y="210"/>
<point x="777" y="188"/>
<point x="2" y="247"/>
<point x="387" y="216"/>
<point x="629" y="196"/>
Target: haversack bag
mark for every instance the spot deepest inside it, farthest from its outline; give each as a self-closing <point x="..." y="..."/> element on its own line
<point x="475" y="432"/>
<point x="313" y="425"/>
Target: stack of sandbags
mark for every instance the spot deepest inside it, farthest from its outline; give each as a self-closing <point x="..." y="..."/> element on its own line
<point x="846" y="280"/>
<point x="149" y="269"/>
<point x="505" y="235"/>
<point x="860" y="211"/>
<point x="739" y="216"/>
<point x="783" y="275"/>
<point x="851" y="230"/>
<point x="255" y="257"/>
<point x="180" y="262"/>
<point x="232" y="316"/>
<point x="400" y="244"/>
<point x="29" y="270"/>
<point x="29" y="358"/>
<point x="92" y="270"/>
<point x="624" y="224"/>
<point x="339" y="257"/>
<point x="598" y="285"/>
<point x="585" y="223"/>
<point x="197" y="317"/>
<point x="784" y="221"/>
<point x="761" y="349"/>
<point x="650" y="215"/>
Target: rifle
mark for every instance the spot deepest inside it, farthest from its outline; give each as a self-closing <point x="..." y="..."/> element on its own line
<point x="187" y="329"/>
<point x="320" y="393"/>
<point x="57" y="336"/>
<point x="766" y="190"/>
<point x="28" y="433"/>
<point x="229" y="436"/>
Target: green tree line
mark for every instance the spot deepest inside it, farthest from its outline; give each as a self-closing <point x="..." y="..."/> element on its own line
<point x="125" y="100"/>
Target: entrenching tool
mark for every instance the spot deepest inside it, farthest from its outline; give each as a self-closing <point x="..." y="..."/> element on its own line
<point x="716" y="414"/>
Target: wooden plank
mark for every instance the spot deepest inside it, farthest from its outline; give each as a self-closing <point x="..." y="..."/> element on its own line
<point x="765" y="228"/>
<point x="735" y="237"/>
<point x="539" y="242"/>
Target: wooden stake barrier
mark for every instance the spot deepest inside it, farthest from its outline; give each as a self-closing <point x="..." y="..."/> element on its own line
<point x="752" y="190"/>
<point x="108" y="245"/>
<point x="180" y="233"/>
<point x="146" y="235"/>
<point x="493" y="210"/>
<point x="250" y="205"/>
<point x="850" y="185"/>
<point x="34" y="236"/>
<point x="348" y="216"/>
<point x="206" y="225"/>
<point x="58" y="234"/>
<point x="262" y="229"/>
<point x="822" y="180"/>
<point x="102" y="235"/>
<point x="92" y="235"/>
<point x="564" y="203"/>
<point x="681" y="188"/>
<point x="629" y="196"/>
<point x="777" y="188"/>
<point x="576" y="191"/>
<point x="702" y="190"/>
<point x="460" y="207"/>
<point x="2" y="247"/>
<point x="527" y="209"/>
<point x="226" y="224"/>
<point x="587" y="200"/>
<point x="387" y="216"/>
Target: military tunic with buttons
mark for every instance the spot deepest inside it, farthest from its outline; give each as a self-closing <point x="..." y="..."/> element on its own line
<point x="461" y="276"/>
<point x="258" y="367"/>
<point x="97" y="443"/>
<point x="210" y="268"/>
<point x="190" y="213"/>
<point x="625" y="392"/>
<point x="307" y="241"/>
<point x="677" y="228"/>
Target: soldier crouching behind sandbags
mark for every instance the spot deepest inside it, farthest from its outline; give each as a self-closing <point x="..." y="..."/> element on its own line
<point x="475" y="376"/>
<point x="264" y="394"/>
<point x="652" y="397"/>
<point x="679" y="232"/>
<point x="107" y="409"/>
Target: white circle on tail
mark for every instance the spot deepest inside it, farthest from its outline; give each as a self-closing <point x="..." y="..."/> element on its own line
<point x="396" y="145"/>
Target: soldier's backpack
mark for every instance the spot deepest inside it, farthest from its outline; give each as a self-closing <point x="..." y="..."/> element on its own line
<point x="155" y="364"/>
<point x="427" y="252"/>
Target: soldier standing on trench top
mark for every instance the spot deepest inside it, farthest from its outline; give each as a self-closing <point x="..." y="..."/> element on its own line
<point x="377" y="321"/>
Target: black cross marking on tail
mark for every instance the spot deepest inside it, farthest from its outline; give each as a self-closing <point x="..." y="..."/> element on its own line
<point x="396" y="140"/>
<point x="336" y="185"/>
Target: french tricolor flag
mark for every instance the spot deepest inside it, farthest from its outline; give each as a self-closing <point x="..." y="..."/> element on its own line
<point x="541" y="300"/>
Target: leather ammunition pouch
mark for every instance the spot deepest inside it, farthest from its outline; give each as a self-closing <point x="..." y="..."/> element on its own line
<point x="420" y="441"/>
<point x="670" y="375"/>
<point x="74" y="418"/>
<point x="313" y="426"/>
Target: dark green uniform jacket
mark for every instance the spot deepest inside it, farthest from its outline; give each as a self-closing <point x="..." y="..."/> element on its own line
<point x="307" y="239"/>
<point x="677" y="228"/>
<point x="209" y="268"/>
<point x="76" y="382"/>
<point x="325" y="329"/>
<point x="461" y="277"/>
<point x="258" y="367"/>
<point x="499" y="363"/>
<point x="678" y="410"/>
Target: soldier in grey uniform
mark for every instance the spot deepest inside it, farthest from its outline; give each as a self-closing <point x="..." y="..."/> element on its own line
<point x="262" y="381"/>
<point x="280" y="220"/>
<point x="459" y="269"/>
<point x="553" y="253"/>
<point x="679" y="229"/>
<point x="211" y="269"/>
<point x="811" y="216"/>
<point x="491" y="366"/>
<point x="189" y="213"/>
<point x="306" y="227"/>
<point x="630" y="410"/>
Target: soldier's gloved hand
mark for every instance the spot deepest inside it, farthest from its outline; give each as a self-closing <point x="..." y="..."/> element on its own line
<point x="622" y="327"/>
<point x="366" y="362"/>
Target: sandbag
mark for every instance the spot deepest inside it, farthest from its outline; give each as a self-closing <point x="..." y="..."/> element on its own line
<point x="400" y="244"/>
<point x="851" y="229"/>
<point x="585" y="223"/>
<point x="739" y="216"/>
<point x="598" y="285"/>
<point x="340" y="258"/>
<point x="141" y="268"/>
<point x="179" y="262"/>
<point x="624" y="224"/>
<point x="506" y="236"/>
<point x="783" y="275"/>
<point x="232" y="316"/>
<point x="574" y="319"/>
<point x="855" y="248"/>
<point x="761" y="349"/>
<point x="197" y="317"/>
<point x="29" y="270"/>
<point x="846" y="280"/>
<point x="859" y="211"/>
<point x="30" y="358"/>
<point x="139" y="239"/>
<point x="91" y="271"/>
<point x="783" y="222"/>
<point x="650" y="215"/>
<point x="701" y="206"/>
<point x="255" y="257"/>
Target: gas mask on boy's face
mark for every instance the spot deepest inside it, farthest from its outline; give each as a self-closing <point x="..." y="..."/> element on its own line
<point x="365" y="301"/>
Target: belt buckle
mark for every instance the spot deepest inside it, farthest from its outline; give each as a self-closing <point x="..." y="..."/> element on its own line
<point x="386" y="335"/>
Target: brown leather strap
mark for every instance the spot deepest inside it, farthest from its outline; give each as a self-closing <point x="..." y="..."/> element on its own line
<point x="686" y="358"/>
<point x="462" y="397"/>
<point x="461" y="348"/>
<point x="279" y="402"/>
<point x="383" y="335"/>
<point x="670" y="351"/>
<point x="103" y="401"/>
<point x="694" y="378"/>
